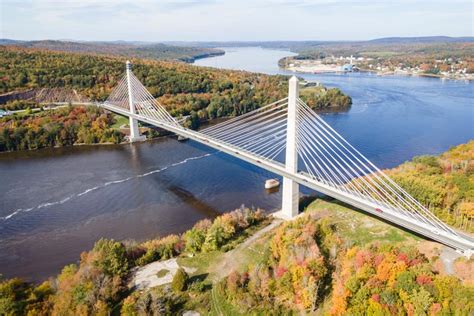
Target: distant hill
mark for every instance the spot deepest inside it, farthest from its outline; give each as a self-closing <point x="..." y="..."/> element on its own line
<point x="121" y="48"/>
<point x="424" y="39"/>
<point x="295" y="45"/>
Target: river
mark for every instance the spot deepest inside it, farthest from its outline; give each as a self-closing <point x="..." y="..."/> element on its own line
<point x="55" y="203"/>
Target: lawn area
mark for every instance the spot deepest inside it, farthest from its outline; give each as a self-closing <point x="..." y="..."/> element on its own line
<point x="358" y="228"/>
<point x="119" y="121"/>
<point x="201" y="262"/>
<point x="220" y="306"/>
<point x="311" y="90"/>
<point x="217" y="264"/>
<point x="162" y="273"/>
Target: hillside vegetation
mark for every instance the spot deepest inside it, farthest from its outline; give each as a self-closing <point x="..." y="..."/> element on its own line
<point x="98" y="284"/>
<point x="129" y="49"/>
<point x="329" y="261"/>
<point x="94" y="76"/>
<point x="444" y="183"/>
<point x="182" y="88"/>
<point x="62" y="127"/>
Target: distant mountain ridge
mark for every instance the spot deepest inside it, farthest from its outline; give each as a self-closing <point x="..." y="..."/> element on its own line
<point x="309" y="43"/>
<point x="423" y="39"/>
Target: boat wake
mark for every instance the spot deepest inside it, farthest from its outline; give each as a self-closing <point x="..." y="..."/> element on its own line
<point x="47" y="204"/>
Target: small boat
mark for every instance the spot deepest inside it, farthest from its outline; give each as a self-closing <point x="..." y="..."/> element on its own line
<point x="182" y="138"/>
<point x="271" y="183"/>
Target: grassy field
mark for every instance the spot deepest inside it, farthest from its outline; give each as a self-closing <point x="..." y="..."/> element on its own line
<point x="119" y="121"/>
<point x="216" y="264"/>
<point x="358" y="228"/>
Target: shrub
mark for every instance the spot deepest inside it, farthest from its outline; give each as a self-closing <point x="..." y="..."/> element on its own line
<point x="221" y="230"/>
<point x="180" y="280"/>
<point x="13" y="296"/>
<point x="227" y="226"/>
<point x="157" y="249"/>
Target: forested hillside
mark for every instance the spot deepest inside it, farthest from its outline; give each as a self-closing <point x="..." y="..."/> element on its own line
<point x="94" y="76"/>
<point x="62" y="127"/>
<point x="444" y="183"/>
<point x="129" y="49"/>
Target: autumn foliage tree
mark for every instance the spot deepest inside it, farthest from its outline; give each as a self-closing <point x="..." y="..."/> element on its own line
<point x="61" y="127"/>
<point x="295" y="272"/>
<point x="394" y="280"/>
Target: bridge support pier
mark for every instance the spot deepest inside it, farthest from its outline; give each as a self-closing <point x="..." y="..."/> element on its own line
<point x="135" y="132"/>
<point x="290" y="195"/>
<point x="133" y="123"/>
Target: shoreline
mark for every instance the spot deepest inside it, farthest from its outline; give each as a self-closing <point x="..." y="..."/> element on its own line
<point x="381" y="74"/>
<point x="377" y="73"/>
<point x="191" y="60"/>
<point x="203" y="124"/>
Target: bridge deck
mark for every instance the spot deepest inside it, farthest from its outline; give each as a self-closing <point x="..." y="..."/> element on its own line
<point x="458" y="241"/>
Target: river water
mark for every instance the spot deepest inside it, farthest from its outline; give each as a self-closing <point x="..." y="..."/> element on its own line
<point x="55" y="203"/>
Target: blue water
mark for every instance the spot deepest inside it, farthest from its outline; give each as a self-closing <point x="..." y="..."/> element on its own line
<point x="392" y="119"/>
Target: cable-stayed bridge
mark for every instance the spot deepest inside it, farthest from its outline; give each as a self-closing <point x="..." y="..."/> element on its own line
<point x="289" y="139"/>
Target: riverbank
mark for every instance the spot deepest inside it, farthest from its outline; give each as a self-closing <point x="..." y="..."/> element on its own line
<point x="318" y="66"/>
<point x="259" y="265"/>
<point x="215" y="53"/>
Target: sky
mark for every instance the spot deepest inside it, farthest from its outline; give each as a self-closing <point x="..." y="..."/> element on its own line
<point x="237" y="20"/>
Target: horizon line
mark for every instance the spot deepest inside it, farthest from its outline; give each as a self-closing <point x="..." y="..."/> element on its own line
<point x="239" y="41"/>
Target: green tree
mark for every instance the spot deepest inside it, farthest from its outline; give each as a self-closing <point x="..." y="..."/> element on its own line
<point x="421" y="300"/>
<point x="180" y="280"/>
<point x="13" y="297"/>
<point x="111" y="257"/>
<point x="194" y="239"/>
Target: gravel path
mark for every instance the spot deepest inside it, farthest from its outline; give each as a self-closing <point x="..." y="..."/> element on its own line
<point x="231" y="259"/>
<point x="146" y="277"/>
<point x="448" y="256"/>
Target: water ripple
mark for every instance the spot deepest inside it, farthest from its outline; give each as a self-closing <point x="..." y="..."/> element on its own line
<point x="47" y="204"/>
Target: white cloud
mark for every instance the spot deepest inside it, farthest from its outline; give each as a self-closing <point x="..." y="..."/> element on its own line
<point x="233" y="20"/>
